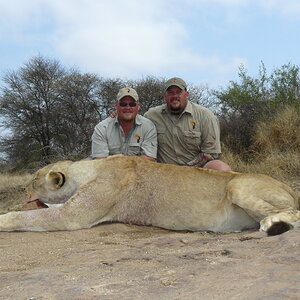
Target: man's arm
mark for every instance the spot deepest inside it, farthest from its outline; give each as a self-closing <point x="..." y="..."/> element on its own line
<point x="210" y="140"/>
<point x="146" y="157"/>
<point x="210" y="134"/>
<point x="201" y="159"/>
<point x="99" y="142"/>
<point x="149" y="145"/>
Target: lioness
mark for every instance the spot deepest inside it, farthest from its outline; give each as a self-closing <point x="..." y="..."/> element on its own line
<point x="136" y="191"/>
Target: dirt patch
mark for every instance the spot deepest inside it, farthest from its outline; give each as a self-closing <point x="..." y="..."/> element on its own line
<point x="118" y="261"/>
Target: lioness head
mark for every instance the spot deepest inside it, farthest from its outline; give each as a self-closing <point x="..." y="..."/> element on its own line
<point x="52" y="184"/>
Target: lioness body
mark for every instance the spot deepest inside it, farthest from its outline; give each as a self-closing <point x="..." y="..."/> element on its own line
<point x="133" y="190"/>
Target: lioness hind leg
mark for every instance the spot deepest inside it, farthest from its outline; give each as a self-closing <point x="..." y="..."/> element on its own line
<point x="280" y="222"/>
<point x="270" y="205"/>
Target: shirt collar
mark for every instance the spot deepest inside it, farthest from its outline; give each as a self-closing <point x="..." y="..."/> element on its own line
<point x="188" y="108"/>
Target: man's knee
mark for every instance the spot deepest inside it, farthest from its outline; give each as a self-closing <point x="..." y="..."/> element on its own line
<point x="217" y="165"/>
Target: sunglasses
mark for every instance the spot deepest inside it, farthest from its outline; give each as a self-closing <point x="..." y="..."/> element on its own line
<point x="124" y="104"/>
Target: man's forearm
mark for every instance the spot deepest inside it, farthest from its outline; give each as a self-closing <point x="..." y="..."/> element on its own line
<point x="148" y="157"/>
<point x="201" y="159"/>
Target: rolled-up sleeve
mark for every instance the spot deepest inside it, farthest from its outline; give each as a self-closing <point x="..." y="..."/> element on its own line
<point x="211" y="135"/>
<point x="149" y="145"/>
<point x="99" y="141"/>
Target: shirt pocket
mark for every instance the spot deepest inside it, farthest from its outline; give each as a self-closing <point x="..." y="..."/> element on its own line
<point x="134" y="149"/>
<point x="161" y="135"/>
<point x="192" y="138"/>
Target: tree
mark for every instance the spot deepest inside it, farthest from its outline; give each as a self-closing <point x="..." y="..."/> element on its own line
<point x="150" y="91"/>
<point x="250" y="100"/>
<point x="106" y="94"/>
<point x="73" y="124"/>
<point x="285" y="86"/>
<point x="202" y="95"/>
<point x="49" y="111"/>
<point x="27" y="105"/>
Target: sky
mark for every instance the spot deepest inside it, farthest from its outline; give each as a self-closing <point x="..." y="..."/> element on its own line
<point x="202" y="41"/>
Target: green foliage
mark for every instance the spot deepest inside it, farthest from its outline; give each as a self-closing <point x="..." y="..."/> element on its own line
<point x="244" y="103"/>
<point x="285" y="86"/>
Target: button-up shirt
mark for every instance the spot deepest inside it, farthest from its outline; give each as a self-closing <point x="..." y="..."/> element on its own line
<point x="109" y="139"/>
<point x="182" y="137"/>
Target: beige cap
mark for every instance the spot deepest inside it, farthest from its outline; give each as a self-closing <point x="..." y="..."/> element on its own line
<point x="176" y="81"/>
<point x="127" y="92"/>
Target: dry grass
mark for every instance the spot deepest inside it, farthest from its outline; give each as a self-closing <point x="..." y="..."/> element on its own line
<point x="282" y="166"/>
<point x="281" y="134"/>
<point x="14" y="180"/>
<point x="276" y="149"/>
<point x="12" y="190"/>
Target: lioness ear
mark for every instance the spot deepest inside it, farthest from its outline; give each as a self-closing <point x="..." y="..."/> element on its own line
<point x="55" y="179"/>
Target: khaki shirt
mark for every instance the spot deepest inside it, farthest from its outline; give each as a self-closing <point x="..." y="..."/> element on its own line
<point x="109" y="139"/>
<point x="182" y="138"/>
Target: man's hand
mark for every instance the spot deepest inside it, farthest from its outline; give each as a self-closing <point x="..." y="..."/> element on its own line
<point x="200" y="160"/>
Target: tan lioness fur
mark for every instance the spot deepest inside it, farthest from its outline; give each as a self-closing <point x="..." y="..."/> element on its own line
<point x="136" y="191"/>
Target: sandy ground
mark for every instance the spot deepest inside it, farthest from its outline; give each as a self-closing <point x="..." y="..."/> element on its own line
<point x="118" y="261"/>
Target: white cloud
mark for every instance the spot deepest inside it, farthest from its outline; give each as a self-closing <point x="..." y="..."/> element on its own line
<point x="291" y="6"/>
<point x="287" y="8"/>
<point x="116" y="38"/>
<point x="125" y="38"/>
<point x="17" y="16"/>
<point x="242" y="8"/>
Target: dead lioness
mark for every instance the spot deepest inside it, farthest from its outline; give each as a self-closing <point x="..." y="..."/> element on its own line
<point x="134" y="190"/>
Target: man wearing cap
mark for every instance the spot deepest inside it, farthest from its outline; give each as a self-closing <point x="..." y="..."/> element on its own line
<point x="127" y="133"/>
<point x="187" y="133"/>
